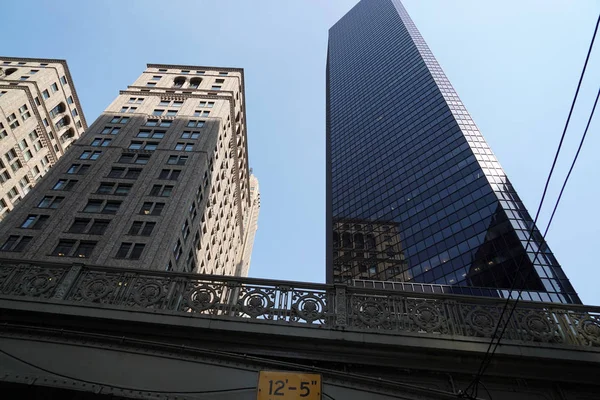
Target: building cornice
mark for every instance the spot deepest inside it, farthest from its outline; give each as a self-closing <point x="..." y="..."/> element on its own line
<point x="67" y="73"/>
<point x="196" y="67"/>
<point x="40" y="128"/>
<point x="223" y="94"/>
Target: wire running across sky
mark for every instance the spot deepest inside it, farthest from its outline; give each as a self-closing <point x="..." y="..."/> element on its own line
<point x="471" y="391"/>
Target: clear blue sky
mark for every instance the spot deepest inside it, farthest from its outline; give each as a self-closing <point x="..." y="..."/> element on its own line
<point x="514" y="63"/>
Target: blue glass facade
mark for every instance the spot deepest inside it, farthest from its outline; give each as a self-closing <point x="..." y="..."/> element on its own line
<point x="414" y="192"/>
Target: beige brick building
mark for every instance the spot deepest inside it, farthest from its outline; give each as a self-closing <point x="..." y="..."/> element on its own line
<point x="40" y="117"/>
<point x="159" y="181"/>
<point x="251" y="221"/>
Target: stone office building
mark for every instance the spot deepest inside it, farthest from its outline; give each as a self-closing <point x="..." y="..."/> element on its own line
<point x="40" y="117"/>
<point x="159" y="181"/>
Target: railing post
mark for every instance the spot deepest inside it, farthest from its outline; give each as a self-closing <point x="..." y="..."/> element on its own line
<point x="566" y="328"/>
<point x="67" y="283"/>
<point x="233" y="289"/>
<point x="175" y="294"/>
<point x="341" y="304"/>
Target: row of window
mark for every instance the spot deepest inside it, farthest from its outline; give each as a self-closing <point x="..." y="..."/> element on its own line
<point x="159" y="112"/>
<point x="180" y="85"/>
<point x="171" y="103"/>
<point x="179" y="82"/>
<point x="138" y="145"/>
<point x="31" y="72"/>
<point x="22" y="63"/>
<point x="142" y="159"/>
<point x="143" y="133"/>
<point x="92" y="206"/>
<point x="89" y="226"/>
<point x="112" y="206"/>
<point x="13" y="160"/>
<point x="74" y="248"/>
<point x="187" y="71"/>
<point x="24" y="182"/>
<point x="154" y="122"/>
<point x="53" y="88"/>
<point x="24" y="113"/>
<point x="168" y="123"/>
<point x="119" y="189"/>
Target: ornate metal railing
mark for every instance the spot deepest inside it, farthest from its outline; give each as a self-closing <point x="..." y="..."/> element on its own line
<point x="319" y="306"/>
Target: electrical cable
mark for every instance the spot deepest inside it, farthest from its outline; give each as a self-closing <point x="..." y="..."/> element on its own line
<point x="122" y="339"/>
<point x="122" y="387"/>
<point x="573" y="163"/>
<point x="548" y="226"/>
<point x="473" y="386"/>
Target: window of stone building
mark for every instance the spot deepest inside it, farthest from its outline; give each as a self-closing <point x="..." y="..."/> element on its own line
<point x="101" y="206"/>
<point x="141" y="228"/>
<point x="132" y="158"/>
<point x="109" y="130"/>
<point x="50" y="202"/>
<point x="98" y="227"/>
<point x="64" y="184"/>
<point x="16" y="243"/>
<point x="132" y="251"/>
<point x="100" y="142"/>
<point x="12" y="121"/>
<point x="90" y="155"/>
<point x="195" y="82"/>
<point x="170" y="174"/>
<point x="119" y="120"/>
<point x="34" y="221"/>
<point x="151" y="208"/>
<point x="178" y="82"/>
<point x="161" y="190"/>
<point x="177" y="160"/>
<point x="201" y="113"/>
<point x="73" y="248"/>
<point x="184" y="146"/>
<point x="78" y="169"/>
<point x="24" y="111"/>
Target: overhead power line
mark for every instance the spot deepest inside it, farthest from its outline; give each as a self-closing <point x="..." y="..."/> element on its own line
<point x="562" y="189"/>
<point x="401" y="386"/>
<point x="472" y="390"/>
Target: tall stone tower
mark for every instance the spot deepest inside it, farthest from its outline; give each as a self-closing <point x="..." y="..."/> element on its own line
<point x="40" y="117"/>
<point x="251" y="222"/>
<point x="159" y="181"/>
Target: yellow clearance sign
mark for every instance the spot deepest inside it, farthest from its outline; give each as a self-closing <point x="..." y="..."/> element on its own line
<point x="274" y="385"/>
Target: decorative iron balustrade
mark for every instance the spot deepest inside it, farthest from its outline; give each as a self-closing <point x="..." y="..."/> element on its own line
<point x="314" y="305"/>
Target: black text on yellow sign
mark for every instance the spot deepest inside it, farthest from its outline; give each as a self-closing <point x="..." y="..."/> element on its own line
<point x="276" y="385"/>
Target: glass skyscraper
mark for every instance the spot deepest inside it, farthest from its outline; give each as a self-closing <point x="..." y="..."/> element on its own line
<point x="416" y="198"/>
